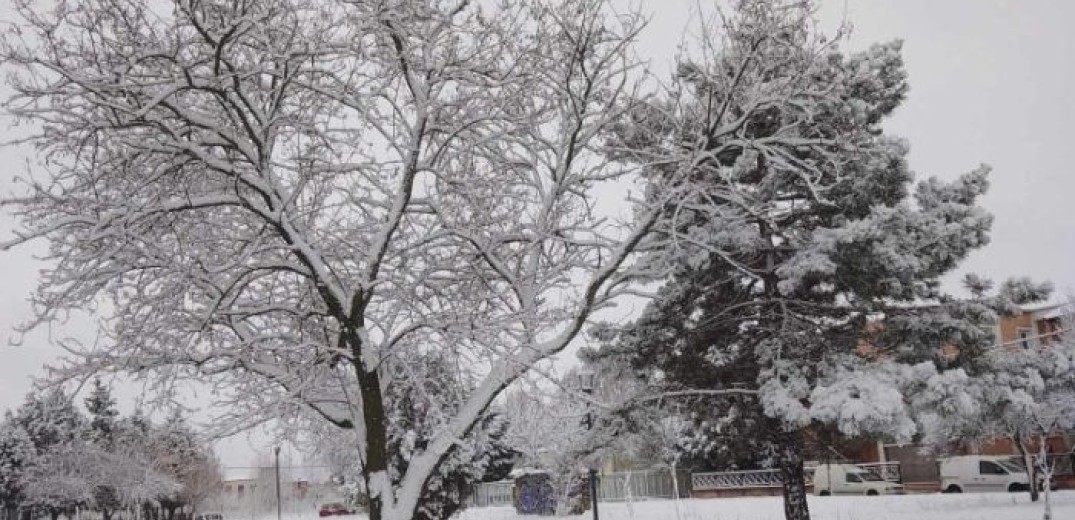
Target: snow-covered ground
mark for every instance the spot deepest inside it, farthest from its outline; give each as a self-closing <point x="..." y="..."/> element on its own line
<point x="985" y="506"/>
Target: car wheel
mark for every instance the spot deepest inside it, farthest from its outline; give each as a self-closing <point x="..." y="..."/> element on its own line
<point x="953" y="489"/>
<point x="824" y="493"/>
<point x="1016" y="488"/>
<point x="872" y="492"/>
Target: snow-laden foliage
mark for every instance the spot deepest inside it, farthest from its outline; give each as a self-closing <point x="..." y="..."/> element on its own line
<point x="54" y="459"/>
<point x="16" y="453"/>
<point x="422" y="403"/>
<point x="1021" y="394"/>
<point x="50" y="419"/>
<point x="864" y="401"/>
<point x="103" y="415"/>
<point x="79" y="474"/>
<point x="275" y="197"/>
<point x="550" y="429"/>
<point x="803" y="263"/>
<point x="175" y="450"/>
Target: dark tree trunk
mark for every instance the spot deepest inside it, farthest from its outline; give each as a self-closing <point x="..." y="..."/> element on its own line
<point x="790" y="460"/>
<point x="373" y="416"/>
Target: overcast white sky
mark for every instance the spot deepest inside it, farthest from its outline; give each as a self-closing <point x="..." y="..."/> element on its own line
<point x="991" y="82"/>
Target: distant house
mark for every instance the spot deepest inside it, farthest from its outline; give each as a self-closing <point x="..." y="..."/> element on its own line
<point x="1032" y="327"/>
<point x="239" y="485"/>
<point x="254" y="488"/>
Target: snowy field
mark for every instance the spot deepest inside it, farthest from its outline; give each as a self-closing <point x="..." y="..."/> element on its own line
<point x="985" y="506"/>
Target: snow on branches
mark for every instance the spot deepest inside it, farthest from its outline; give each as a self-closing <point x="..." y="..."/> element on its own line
<point x="277" y="197"/>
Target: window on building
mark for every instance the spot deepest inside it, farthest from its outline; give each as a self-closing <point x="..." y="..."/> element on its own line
<point x="239" y="491"/>
<point x="1024" y="338"/>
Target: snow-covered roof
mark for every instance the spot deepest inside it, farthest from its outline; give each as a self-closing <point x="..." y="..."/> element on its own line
<point x="1057" y="311"/>
<point x="237" y="474"/>
<point x="312" y="474"/>
<point x="519" y="472"/>
<point x="1052" y="304"/>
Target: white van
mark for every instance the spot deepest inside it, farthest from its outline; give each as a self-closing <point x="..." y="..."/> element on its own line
<point x="980" y="473"/>
<point x="849" y="479"/>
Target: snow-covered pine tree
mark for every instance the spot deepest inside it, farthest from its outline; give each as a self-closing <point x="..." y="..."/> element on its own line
<point x="50" y="419"/>
<point x="688" y="339"/>
<point x="800" y="209"/>
<point x="16" y="454"/>
<point x="103" y="415"/>
<point x="176" y="451"/>
<point x="52" y="423"/>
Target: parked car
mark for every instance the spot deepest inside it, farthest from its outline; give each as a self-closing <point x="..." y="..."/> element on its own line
<point x="982" y="473"/>
<point x="849" y="479"/>
<point x="334" y="509"/>
<point x="209" y="516"/>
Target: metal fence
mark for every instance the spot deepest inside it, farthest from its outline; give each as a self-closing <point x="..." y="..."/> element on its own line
<point x="636" y="485"/>
<point x="612" y="487"/>
<point x="491" y="494"/>
<point x="770" y="478"/>
<point x="760" y="478"/>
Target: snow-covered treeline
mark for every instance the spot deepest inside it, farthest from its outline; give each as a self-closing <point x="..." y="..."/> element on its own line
<point x="54" y="460"/>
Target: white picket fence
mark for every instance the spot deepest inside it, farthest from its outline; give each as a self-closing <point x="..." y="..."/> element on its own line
<point x="635" y="485"/>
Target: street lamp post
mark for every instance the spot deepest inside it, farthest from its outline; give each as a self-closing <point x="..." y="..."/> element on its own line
<point x="586" y="380"/>
<point x="276" y="449"/>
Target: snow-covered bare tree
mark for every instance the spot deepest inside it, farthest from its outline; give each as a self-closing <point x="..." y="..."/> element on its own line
<point x="547" y="427"/>
<point x="799" y="211"/>
<point x="80" y="474"/>
<point x="276" y="196"/>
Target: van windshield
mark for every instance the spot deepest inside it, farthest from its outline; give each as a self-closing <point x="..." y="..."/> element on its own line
<point x="1012" y="466"/>
<point x="868" y="476"/>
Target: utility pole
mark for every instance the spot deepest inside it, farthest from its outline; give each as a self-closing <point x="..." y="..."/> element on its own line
<point x="586" y="380"/>
<point x="278" y="513"/>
